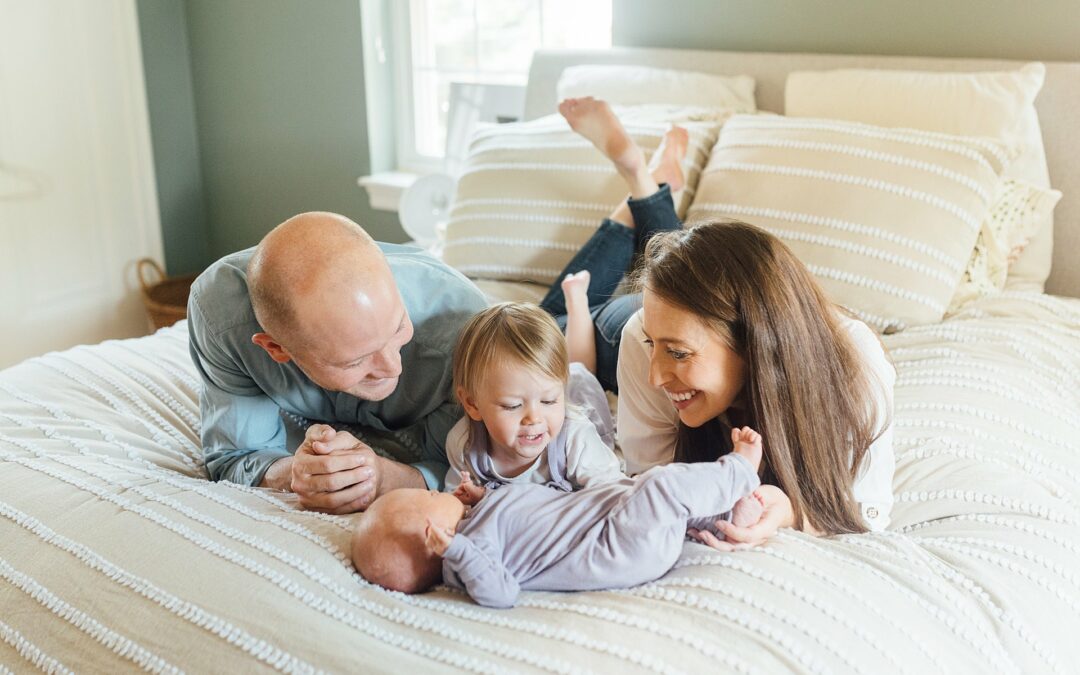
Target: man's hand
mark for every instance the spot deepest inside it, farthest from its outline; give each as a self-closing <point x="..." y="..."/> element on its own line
<point x="469" y="493"/>
<point x="438" y="539"/>
<point x="333" y="472"/>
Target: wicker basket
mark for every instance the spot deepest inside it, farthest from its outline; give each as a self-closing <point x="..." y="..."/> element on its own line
<point x="165" y="297"/>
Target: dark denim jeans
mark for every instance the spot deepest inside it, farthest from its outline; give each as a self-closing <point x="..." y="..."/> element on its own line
<point x="608" y="256"/>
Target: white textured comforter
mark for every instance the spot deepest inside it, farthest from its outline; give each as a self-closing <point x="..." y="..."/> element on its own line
<point x="116" y="553"/>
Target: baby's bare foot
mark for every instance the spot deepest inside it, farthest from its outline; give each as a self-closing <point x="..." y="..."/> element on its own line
<point x="666" y="162"/>
<point x="747" y="511"/>
<point x="594" y="120"/>
<point x="747" y="443"/>
<point x="575" y="288"/>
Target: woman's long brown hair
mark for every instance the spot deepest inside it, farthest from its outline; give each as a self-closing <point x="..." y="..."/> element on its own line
<point x="807" y="390"/>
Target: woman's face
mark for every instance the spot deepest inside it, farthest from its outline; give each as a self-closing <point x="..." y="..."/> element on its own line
<point x="700" y="374"/>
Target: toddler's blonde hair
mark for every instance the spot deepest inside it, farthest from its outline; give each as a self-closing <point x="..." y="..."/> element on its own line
<point x="518" y="332"/>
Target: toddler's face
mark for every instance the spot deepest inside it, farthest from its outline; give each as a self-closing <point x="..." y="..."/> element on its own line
<point x="522" y="409"/>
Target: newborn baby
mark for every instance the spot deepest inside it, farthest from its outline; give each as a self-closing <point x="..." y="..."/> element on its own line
<point x="529" y="536"/>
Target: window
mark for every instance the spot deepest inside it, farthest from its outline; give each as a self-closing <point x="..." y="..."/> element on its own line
<point x="475" y="41"/>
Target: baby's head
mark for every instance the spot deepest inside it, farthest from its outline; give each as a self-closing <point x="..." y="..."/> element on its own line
<point x="510" y="371"/>
<point x="389" y="544"/>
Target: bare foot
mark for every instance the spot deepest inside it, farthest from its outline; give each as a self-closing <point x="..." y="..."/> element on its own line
<point x="575" y="287"/>
<point x="747" y="443"/>
<point x="594" y="120"/>
<point x="666" y="162"/>
<point x="580" y="340"/>
<point x="747" y="511"/>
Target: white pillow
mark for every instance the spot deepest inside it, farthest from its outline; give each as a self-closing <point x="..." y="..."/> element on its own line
<point x="999" y="105"/>
<point x="532" y="193"/>
<point x="637" y="85"/>
<point x="885" y="219"/>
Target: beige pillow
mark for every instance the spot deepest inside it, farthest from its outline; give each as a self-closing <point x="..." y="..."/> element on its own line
<point x="884" y="218"/>
<point x="531" y="194"/>
<point x="999" y="105"/>
<point x="1016" y="216"/>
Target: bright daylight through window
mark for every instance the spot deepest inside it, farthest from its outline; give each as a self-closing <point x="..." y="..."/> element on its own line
<point x="479" y="41"/>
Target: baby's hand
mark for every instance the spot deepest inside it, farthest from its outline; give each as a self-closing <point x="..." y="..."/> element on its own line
<point x="747" y="443"/>
<point x="469" y="493"/>
<point x="438" y="540"/>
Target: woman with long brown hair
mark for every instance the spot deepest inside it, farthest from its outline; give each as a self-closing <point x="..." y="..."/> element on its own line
<point x="734" y="331"/>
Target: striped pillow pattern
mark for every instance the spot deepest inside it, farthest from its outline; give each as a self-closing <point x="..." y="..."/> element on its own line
<point x="885" y="219"/>
<point x="531" y="194"/>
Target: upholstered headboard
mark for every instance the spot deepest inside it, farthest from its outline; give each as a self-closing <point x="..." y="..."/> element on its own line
<point x="1058" y="105"/>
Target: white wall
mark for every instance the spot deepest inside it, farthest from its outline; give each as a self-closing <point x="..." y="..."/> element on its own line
<point x="73" y="126"/>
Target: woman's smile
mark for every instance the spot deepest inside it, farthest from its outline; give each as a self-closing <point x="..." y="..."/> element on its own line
<point x="683" y="399"/>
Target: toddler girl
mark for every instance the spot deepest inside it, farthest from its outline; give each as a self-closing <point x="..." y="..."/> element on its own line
<point x="531" y="415"/>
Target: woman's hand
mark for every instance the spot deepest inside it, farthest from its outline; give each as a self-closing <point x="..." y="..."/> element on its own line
<point x="777" y="514"/>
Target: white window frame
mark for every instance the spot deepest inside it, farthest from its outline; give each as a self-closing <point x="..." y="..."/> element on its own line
<point x="388" y="37"/>
<point x="408" y="159"/>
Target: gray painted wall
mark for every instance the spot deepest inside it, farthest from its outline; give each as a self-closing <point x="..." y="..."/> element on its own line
<point x="1038" y="29"/>
<point x="184" y="228"/>
<point x="279" y="94"/>
<point x="277" y="88"/>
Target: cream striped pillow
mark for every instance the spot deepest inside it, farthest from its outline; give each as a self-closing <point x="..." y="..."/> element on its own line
<point x="885" y="219"/>
<point x="531" y="194"/>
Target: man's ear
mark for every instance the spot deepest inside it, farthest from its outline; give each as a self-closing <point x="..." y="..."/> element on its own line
<point x="275" y="350"/>
<point x="470" y="406"/>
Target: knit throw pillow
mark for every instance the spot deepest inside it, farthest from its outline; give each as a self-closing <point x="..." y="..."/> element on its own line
<point x="1017" y="215"/>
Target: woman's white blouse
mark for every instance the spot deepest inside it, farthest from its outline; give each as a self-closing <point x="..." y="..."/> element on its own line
<point x="647" y="425"/>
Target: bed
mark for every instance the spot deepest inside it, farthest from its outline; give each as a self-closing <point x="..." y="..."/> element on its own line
<point x="117" y="554"/>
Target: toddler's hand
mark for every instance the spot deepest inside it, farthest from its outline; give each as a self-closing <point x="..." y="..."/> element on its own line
<point x="747" y="443"/>
<point x="438" y="539"/>
<point x="469" y="493"/>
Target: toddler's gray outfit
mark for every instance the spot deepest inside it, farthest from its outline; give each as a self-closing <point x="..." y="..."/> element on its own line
<point x="615" y="535"/>
<point x="478" y="459"/>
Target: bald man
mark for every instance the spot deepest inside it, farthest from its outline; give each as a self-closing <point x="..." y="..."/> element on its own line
<point x="321" y="322"/>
